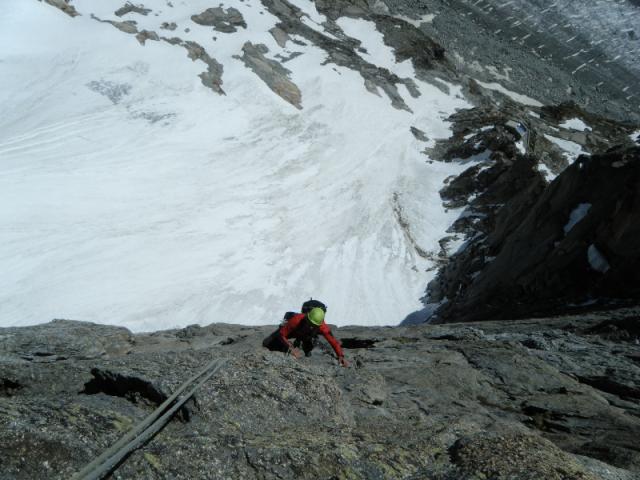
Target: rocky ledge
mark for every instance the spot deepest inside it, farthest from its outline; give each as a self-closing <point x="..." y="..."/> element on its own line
<point x="554" y="398"/>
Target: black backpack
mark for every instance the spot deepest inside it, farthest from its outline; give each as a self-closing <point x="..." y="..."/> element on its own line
<point x="311" y="304"/>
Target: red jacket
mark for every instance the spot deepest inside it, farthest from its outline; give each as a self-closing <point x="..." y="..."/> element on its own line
<point x="298" y="327"/>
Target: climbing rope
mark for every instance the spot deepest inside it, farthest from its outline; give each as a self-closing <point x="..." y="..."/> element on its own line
<point x="148" y="427"/>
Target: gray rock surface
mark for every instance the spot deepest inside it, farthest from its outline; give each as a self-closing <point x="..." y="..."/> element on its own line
<point x="550" y="398"/>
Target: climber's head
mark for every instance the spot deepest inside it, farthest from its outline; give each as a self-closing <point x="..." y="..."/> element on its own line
<point x="316" y="316"/>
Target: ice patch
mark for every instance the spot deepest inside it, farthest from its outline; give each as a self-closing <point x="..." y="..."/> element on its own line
<point x="575" y="124"/>
<point x="576" y="216"/>
<point x="597" y="260"/>
<point x="518" y="97"/>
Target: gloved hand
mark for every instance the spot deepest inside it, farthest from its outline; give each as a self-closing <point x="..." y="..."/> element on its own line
<point x="343" y="362"/>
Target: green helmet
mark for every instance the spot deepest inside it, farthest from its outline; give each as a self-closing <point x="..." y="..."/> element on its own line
<point x="316" y="316"/>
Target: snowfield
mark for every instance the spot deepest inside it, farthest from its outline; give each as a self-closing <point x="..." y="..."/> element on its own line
<point x="133" y="195"/>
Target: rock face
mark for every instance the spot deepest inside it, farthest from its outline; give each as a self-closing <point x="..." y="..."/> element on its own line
<point x="543" y="231"/>
<point x="570" y="243"/>
<point x="550" y="398"/>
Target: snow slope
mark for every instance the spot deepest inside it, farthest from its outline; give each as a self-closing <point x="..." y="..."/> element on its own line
<point x="133" y="195"/>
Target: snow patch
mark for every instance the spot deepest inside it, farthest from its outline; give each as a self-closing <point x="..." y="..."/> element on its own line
<point x="575" y="124"/>
<point x="571" y="150"/>
<point x="635" y="137"/>
<point x="518" y="97"/>
<point x="597" y="261"/>
<point x="549" y="176"/>
<point x="576" y="216"/>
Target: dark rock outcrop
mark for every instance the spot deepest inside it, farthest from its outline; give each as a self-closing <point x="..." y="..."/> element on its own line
<point x="576" y="243"/>
<point x="549" y="398"/>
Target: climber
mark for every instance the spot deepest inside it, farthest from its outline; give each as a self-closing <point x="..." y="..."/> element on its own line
<point x="303" y="328"/>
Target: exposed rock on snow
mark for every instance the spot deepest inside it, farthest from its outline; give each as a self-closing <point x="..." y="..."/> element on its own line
<point x="212" y="78"/>
<point x="145" y="35"/>
<point x="130" y="7"/>
<point x="128" y="26"/>
<point x="220" y="19"/>
<point x="535" y="399"/>
<point x="271" y="72"/>
<point x="280" y="36"/>
<point x="171" y="26"/>
<point x="64" y="6"/>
